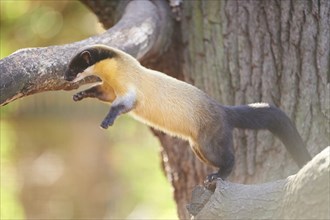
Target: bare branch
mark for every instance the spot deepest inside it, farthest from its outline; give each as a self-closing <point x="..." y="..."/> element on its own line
<point x="292" y="198"/>
<point x="143" y="31"/>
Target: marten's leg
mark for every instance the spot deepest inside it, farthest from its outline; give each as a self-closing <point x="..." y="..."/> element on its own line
<point x="121" y="105"/>
<point x="101" y="92"/>
<point x="218" y="150"/>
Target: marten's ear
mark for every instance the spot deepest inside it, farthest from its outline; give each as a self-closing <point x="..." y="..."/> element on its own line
<point x="86" y="55"/>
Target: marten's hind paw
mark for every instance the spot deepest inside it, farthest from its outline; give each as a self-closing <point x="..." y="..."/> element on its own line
<point x="212" y="177"/>
<point x="210" y="181"/>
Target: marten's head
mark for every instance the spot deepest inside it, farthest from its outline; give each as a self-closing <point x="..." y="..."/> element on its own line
<point x="78" y="67"/>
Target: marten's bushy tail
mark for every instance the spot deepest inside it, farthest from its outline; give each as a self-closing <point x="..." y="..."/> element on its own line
<point x="265" y="116"/>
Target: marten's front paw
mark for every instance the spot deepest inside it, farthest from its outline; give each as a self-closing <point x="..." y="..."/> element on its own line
<point x="79" y="96"/>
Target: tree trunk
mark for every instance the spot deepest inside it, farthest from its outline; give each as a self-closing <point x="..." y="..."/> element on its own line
<point x="254" y="51"/>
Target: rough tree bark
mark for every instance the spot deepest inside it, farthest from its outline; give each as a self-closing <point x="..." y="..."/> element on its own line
<point x="271" y="51"/>
<point x="273" y="200"/>
<point x="236" y="51"/>
<point x="251" y="51"/>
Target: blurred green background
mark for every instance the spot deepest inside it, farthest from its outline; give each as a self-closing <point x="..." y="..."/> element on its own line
<point x="56" y="163"/>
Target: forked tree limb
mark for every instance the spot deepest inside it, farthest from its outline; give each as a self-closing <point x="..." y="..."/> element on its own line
<point x="144" y="30"/>
<point x="305" y="195"/>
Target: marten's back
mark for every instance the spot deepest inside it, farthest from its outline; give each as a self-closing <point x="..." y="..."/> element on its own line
<point x="170" y="105"/>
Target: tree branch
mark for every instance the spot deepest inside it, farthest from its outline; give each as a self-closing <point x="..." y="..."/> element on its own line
<point x="143" y="31"/>
<point x="295" y="197"/>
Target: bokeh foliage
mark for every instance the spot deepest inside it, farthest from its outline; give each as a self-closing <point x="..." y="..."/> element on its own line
<point x="51" y="145"/>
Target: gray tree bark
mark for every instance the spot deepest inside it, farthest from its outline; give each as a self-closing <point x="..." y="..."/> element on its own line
<point x="236" y="51"/>
<point x="251" y="51"/>
<point x="263" y="51"/>
<point x="292" y="198"/>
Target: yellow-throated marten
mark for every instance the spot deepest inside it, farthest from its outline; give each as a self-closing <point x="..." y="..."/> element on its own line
<point x="177" y="108"/>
